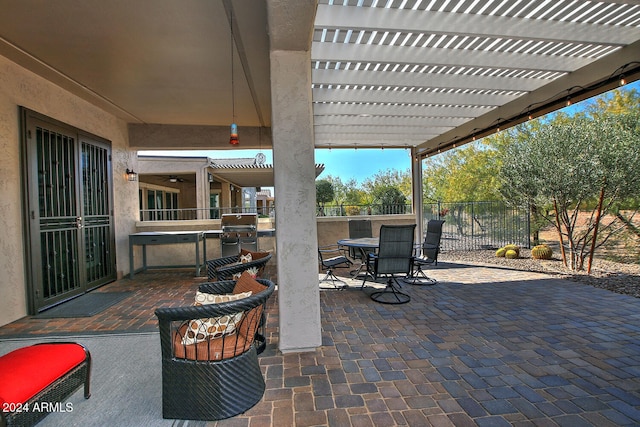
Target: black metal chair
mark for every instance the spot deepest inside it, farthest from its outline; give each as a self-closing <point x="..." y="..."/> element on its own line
<point x="359" y="228"/>
<point x="331" y="257"/>
<point x="218" y="377"/>
<point x="394" y="259"/>
<point x="428" y="254"/>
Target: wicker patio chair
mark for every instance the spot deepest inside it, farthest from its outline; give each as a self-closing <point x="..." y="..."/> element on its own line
<point x="226" y="267"/>
<point x="218" y="377"/>
<point x="230" y="267"/>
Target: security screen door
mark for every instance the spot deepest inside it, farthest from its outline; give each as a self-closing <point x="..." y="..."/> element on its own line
<point x="70" y="215"/>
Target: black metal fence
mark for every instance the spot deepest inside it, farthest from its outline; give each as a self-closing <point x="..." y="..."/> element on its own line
<point x="468" y="225"/>
<point x="372" y="209"/>
<point x="480" y="225"/>
<point x="198" y="213"/>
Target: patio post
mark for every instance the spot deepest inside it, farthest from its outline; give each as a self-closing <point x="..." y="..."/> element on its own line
<point x="416" y="188"/>
<point x="294" y="177"/>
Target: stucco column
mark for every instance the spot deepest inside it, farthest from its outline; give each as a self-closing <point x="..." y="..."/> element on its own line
<point x="295" y="200"/>
<point x="202" y="193"/>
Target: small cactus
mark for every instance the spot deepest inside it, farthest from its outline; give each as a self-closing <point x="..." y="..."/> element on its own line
<point x="511" y="254"/>
<point x="541" y="252"/>
<point x="515" y="248"/>
<point x="502" y="252"/>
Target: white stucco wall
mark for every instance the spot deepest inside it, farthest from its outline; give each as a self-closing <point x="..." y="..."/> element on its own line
<point x="19" y="87"/>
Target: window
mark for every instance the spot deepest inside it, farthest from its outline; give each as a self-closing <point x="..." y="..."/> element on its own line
<point x="158" y="204"/>
<point x="214" y="203"/>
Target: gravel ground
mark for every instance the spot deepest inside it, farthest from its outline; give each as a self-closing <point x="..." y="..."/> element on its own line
<point x="613" y="276"/>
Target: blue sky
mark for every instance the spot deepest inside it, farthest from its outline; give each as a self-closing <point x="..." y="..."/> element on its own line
<point x="346" y="163"/>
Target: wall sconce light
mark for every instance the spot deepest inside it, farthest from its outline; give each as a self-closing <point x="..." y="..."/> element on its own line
<point x="210" y="177"/>
<point x="131" y="175"/>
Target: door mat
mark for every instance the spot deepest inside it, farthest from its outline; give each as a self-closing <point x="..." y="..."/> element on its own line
<point x="86" y="305"/>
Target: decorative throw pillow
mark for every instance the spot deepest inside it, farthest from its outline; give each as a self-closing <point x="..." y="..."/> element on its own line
<point x="254" y="255"/>
<point x="214" y="327"/>
<point x="246" y="283"/>
<point x="253" y="272"/>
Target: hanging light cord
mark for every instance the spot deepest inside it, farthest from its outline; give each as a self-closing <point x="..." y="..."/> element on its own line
<point x="233" y="98"/>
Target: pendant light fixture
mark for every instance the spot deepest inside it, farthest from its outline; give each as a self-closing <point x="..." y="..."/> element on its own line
<point x="233" y="140"/>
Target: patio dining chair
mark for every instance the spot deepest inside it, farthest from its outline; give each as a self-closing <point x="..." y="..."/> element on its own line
<point x="331" y="257"/>
<point x="428" y="254"/>
<point x="393" y="261"/>
<point x="359" y="228"/>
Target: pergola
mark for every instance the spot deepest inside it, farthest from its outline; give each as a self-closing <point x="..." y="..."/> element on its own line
<point x="296" y="75"/>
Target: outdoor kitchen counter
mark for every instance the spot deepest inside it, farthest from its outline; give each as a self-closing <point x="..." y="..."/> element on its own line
<point x="165" y="238"/>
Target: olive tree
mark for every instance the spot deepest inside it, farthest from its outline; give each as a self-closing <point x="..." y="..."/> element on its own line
<point x="570" y="164"/>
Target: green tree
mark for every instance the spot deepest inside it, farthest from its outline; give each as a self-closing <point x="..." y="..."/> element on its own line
<point x="377" y="190"/>
<point x="465" y="174"/>
<point x="339" y="189"/>
<point x="389" y="200"/>
<point x="324" y="194"/>
<point x="618" y="101"/>
<point x="566" y="163"/>
<point x="355" y="197"/>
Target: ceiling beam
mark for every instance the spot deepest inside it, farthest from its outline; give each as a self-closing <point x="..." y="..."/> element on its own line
<point x="388" y="54"/>
<point x="389" y="121"/>
<point x="410" y="97"/>
<point x="431" y="80"/>
<point x="398" y="110"/>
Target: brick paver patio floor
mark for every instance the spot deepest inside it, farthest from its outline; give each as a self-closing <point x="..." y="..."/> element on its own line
<point x="485" y="346"/>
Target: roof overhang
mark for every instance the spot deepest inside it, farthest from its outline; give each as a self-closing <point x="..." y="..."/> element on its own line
<point x="249" y="175"/>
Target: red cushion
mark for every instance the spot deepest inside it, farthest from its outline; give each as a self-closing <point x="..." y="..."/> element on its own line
<point x="27" y="371"/>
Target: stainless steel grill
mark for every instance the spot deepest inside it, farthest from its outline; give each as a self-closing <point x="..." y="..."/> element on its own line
<point x="239" y="231"/>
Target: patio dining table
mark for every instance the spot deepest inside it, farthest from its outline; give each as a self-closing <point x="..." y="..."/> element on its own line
<point x="365" y="245"/>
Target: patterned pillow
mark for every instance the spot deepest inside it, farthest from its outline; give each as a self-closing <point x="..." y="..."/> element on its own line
<point x="214" y="327"/>
<point x="246" y="258"/>
<point x="253" y="272"/>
